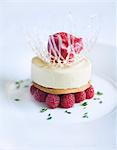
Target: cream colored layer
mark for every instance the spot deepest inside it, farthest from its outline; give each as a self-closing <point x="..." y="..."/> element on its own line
<point x="61" y="78"/>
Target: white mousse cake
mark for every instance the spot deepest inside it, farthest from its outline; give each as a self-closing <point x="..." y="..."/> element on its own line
<point x="61" y="78"/>
<point x="62" y="75"/>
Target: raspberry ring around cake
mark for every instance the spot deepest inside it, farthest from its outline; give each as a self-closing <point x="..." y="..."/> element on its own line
<point x="62" y="91"/>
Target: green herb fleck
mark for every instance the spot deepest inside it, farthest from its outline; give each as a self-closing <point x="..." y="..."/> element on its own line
<point x="100" y="102"/>
<point x="49" y="114"/>
<point x="43" y="110"/>
<point x="17" y="82"/>
<point x="99" y="93"/>
<point x="26" y="86"/>
<point x="17" y="99"/>
<point x="85" y="115"/>
<point x="49" y="118"/>
<point x="68" y="112"/>
<point x="84" y="104"/>
<point x="97" y="98"/>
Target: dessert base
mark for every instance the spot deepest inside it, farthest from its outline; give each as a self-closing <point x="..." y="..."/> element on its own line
<point x="62" y="91"/>
<point x="28" y="109"/>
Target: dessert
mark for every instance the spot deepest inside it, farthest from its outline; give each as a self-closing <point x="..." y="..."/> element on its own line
<point x="61" y="75"/>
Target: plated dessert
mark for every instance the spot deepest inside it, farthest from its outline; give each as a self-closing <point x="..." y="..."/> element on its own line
<point x="61" y="75"/>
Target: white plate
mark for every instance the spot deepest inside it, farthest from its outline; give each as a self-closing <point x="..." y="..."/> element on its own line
<point x="28" y="108"/>
<point x="22" y="126"/>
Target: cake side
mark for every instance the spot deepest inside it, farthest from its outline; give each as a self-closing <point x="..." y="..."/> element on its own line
<point x="75" y="76"/>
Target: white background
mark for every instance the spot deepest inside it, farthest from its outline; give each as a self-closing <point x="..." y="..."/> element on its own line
<point x="19" y="17"/>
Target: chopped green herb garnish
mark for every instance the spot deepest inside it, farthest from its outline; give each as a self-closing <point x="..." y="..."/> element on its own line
<point x="26" y="86"/>
<point x="49" y="114"/>
<point x="17" y="99"/>
<point x="43" y="110"/>
<point x="17" y="82"/>
<point x="68" y="112"/>
<point x="49" y="118"/>
<point x="85" y="115"/>
<point x="99" y="93"/>
<point x="20" y="82"/>
<point x="100" y="102"/>
<point x="84" y="104"/>
<point x="97" y="98"/>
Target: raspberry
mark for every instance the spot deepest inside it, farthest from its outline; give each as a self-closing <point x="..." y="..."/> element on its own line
<point x="52" y="101"/>
<point x="80" y="96"/>
<point x="32" y="89"/>
<point x="67" y="100"/>
<point x="64" y="45"/>
<point x="89" y="92"/>
<point x="39" y="95"/>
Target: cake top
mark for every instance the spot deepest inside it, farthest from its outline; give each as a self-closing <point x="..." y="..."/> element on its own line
<point x="82" y="64"/>
<point x="61" y="49"/>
